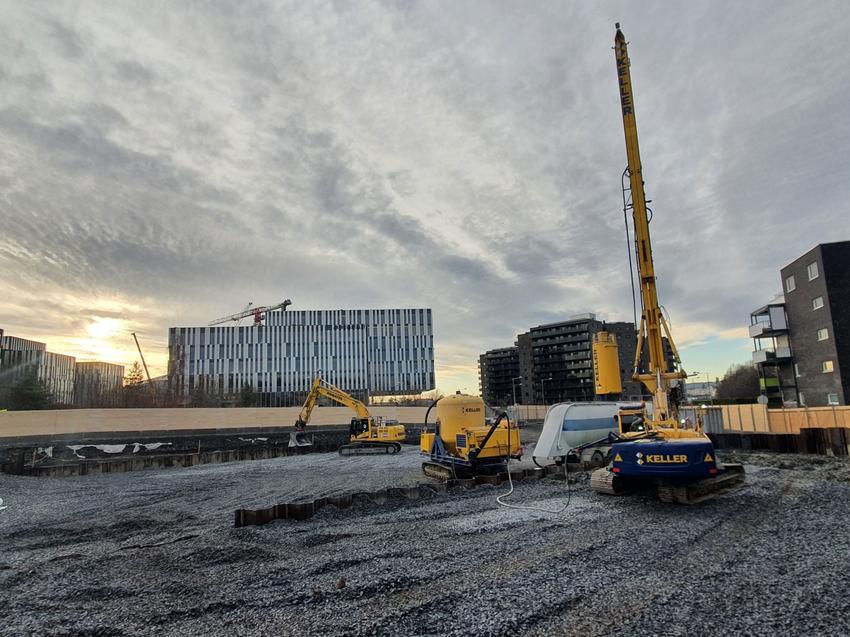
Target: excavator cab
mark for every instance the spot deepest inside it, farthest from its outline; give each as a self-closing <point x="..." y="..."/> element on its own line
<point x="631" y="420"/>
<point x="359" y="427"/>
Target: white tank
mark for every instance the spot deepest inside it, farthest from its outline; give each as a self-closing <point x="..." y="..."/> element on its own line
<point x="569" y="425"/>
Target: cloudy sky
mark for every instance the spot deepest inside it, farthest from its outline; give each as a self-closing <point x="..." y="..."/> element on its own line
<point x="165" y="163"/>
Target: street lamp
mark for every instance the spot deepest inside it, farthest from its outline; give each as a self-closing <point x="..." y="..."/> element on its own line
<point x="543" y="388"/>
<point x="513" y="387"/>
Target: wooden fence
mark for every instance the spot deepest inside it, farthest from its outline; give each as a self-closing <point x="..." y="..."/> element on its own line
<point x="72" y="421"/>
<point x="756" y="418"/>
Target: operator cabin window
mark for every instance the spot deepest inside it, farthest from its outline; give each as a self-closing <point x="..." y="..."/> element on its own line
<point x="832" y="399"/>
<point x="826" y="367"/>
<point x="812" y="269"/>
<point x="817" y="303"/>
<point x="790" y="286"/>
<point x="823" y="334"/>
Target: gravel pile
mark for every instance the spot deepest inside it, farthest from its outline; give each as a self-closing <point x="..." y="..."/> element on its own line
<point x="154" y="552"/>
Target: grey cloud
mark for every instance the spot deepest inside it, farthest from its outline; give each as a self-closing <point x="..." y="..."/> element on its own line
<point x="462" y="156"/>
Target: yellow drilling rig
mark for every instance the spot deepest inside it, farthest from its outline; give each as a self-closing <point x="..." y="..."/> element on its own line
<point x="652" y="448"/>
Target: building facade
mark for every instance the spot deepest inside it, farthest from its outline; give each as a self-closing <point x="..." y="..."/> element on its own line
<point x="802" y="338"/>
<point x="817" y="303"/>
<point x="498" y="373"/>
<point x="772" y="353"/>
<point x="555" y="362"/>
<point x="22" y="356"/>
<point x="365" y="352"/>
<point x="98" y="384"/>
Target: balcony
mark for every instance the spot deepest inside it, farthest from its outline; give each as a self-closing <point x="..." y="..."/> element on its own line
<point x="766" y="329"/>
<point x="760" y="329"/>
<point x="770" y="356"/>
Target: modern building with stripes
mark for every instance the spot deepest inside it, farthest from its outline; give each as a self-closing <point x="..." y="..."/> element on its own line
<point x="365" y="352"/>
<point x="21" y="356"/>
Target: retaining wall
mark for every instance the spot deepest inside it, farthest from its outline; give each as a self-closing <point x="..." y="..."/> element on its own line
<point x="822" y="441"/>
<point x="17" y="424"/>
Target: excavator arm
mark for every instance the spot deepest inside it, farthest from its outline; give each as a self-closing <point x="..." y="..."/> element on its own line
<point x="307" y="408"/>
<point x="321" y="387"/>
<point x="338" y="396"/>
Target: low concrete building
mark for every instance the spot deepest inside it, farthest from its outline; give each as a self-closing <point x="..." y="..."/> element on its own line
<point x="700" y="391"/>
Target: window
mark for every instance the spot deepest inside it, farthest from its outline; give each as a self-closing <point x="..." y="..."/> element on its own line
<point x="823" y="334"/>
<point x="812" y="269"/>
<point x="817" y="303"/>
<point x="832" y="399"/>
<point x="826" y="367"/>
<point x="790" y="286"/>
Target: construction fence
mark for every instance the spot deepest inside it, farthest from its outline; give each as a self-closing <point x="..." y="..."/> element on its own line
<point x="757" y="418"/>
<point x="103" y="421"/>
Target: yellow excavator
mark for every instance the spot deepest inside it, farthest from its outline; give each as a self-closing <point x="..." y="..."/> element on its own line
<point x="652" y="448"/>
<point x="367" y="434"/>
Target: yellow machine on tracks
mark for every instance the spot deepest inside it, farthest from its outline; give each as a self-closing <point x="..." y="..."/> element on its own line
<point x="462" y="443"/>
<point x="368" y="434"/>
<point x="652" y="448"/>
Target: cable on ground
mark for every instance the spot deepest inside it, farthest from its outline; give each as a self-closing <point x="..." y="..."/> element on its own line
<point x="500" y="499"/>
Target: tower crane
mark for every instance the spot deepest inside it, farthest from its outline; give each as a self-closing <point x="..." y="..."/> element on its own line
<point x="258" y="313"/>
<point x="651" y="448"/>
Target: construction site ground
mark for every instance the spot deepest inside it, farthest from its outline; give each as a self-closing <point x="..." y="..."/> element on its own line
<point x="156" y="553"/>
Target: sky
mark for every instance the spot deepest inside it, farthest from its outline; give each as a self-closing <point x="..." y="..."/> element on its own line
<point x="163" y="164"/>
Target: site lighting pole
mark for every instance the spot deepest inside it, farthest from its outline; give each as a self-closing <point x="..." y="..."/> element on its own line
<point x="543" y="388"/>
<point x="513" y="387"/>
<point x="708" y="389"/>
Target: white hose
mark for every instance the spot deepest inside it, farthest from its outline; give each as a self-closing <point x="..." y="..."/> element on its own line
<point x="499" y="499"/>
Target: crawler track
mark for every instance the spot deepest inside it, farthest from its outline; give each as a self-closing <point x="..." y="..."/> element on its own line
<point x="732" y="476"/>
<point x="369" y="448"/>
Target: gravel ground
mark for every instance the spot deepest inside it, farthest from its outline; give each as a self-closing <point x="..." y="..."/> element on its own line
<point x="155" y="553"/>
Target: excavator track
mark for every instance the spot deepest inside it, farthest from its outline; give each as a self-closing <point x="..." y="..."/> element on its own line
<point x="438" y="471"/>
<point x="732" y="476"/>
<point x="369" y="448"/>
<point x="604" y="481"/>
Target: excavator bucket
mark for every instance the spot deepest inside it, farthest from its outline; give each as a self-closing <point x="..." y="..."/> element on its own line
<point x="300" y="439"/>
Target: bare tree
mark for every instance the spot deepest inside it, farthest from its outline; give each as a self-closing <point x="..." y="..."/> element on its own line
<point x="740" y="383"/>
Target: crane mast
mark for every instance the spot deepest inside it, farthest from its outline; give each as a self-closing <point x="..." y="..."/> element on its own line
<point x="652" y="324"/>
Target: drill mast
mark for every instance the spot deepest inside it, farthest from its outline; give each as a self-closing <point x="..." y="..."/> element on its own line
<point x="652" y="324"/>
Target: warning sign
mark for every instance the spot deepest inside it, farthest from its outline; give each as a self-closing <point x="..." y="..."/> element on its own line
<point x="617" y="458"/>
<point x="708" y="458"/>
